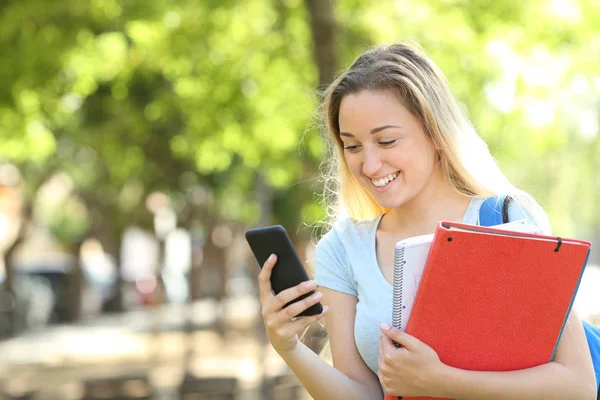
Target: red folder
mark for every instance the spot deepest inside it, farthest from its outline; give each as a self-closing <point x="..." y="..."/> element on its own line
<point x="494" y="300"/>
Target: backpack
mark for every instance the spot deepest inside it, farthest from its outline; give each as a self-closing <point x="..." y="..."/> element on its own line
<point x="494" y="211"/>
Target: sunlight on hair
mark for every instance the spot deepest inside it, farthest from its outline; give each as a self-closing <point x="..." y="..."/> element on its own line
<point x="464" y="157"/>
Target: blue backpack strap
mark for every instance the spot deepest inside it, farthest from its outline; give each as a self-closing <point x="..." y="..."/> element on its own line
<point x="494" y="211"/>
<point x="593" y="337"/>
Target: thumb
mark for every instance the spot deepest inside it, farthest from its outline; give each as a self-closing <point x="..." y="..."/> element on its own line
<point x="400" y="337"/>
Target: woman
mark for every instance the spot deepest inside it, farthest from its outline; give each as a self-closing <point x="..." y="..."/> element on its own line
<point x="404" y="158"/>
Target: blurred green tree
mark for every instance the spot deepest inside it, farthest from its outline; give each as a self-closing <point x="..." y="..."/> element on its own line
<point x="526" y="73"/>
<point x="212" y="104"/>
<point x="137" y="98"/>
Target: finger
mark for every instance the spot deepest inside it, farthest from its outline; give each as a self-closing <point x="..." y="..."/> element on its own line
<point x="298" y="325"/>
<point x="306" y="321"/>
<point x="390" y="350"/>
<point x="387" y="349"/>
<point x="264" y="278"/>
<point x="287" y="295"/>
<point x="386" y="342"/>
<point x="396" y="335"/>
<point x="296" y="308"/>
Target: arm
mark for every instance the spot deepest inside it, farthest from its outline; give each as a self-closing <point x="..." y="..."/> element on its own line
<point x="350" y="378"/>
<point x="570" y="376"/>
<point x="319" y="378"/>
<point x="416" y="370"/>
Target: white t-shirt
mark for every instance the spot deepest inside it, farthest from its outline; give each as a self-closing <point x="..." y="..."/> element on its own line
<point x="346" y="261"/>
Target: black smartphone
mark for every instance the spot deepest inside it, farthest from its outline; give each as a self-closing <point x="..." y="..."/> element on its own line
<point x="288" y="271"/>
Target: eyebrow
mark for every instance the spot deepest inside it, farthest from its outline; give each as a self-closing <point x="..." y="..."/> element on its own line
<point x="374" y="130"/>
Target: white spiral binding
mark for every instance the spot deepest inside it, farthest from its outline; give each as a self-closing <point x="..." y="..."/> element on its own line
<point x="399" y="262"/>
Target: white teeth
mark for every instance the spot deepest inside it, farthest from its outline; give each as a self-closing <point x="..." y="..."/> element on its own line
<point x="383" y="181"/>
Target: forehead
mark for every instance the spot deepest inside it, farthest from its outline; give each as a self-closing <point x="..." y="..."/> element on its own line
<point x="366" y="110"/>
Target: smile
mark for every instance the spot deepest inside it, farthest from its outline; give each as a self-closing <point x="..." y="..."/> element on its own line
<point x="385" y="180"/>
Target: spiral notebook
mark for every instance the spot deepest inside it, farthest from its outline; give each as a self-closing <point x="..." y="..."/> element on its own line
<point x="492" y="299"/>
<point x="410" y="256"/>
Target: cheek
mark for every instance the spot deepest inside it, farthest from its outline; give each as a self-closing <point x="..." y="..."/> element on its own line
<point x="352" y="163"/>
<point x="415" y="167"/>
<point x="352" y="160"/>
<point x="419" y="158"/>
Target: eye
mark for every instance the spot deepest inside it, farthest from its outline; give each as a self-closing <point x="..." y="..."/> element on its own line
<point x="351" y="148"/>
<point x="387" y="142"/>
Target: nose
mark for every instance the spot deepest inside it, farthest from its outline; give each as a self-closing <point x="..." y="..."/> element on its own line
<point x="371" y="162"/>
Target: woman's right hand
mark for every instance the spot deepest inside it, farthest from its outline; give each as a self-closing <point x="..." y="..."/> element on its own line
<point x="282" y="328"/>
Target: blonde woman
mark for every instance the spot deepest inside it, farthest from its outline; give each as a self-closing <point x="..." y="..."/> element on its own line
<point x="404" y="158"/>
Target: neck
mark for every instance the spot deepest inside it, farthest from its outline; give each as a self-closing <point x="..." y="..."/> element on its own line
<point x="436" y="202"/>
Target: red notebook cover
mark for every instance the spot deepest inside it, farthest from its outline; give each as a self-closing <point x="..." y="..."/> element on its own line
<point x="492" y="300"/>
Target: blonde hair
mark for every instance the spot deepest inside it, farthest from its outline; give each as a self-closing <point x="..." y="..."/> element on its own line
<point x="416" y="81"/>
<point x="421" y="87"/>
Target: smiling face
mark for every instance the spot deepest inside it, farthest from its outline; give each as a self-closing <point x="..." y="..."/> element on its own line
<point x="386" y="148"/>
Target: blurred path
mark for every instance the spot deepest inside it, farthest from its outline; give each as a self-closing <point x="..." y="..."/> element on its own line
<point x="224" y="339"/>
<point x="110" y="337"/>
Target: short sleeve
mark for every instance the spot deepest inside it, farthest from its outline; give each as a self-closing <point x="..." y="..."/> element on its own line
<point x="332" y="269"/>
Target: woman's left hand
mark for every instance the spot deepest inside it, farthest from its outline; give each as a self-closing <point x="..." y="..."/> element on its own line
<point x="412" y="370"/>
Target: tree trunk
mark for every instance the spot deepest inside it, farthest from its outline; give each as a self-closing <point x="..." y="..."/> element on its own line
<point x="191" y="221"/>
<point x="212" y="271"/>
<point x="115" y="304"/>
<point x="8" y="261"/>
<point x="74" y="287"/>
<point x="196" y="263"/>
<point x="323" y="27"/>
<point x="11" y="329"/>
<point x="110" y="233"/>
<point x="208" y="275"/>
<point x="9" y="266"/>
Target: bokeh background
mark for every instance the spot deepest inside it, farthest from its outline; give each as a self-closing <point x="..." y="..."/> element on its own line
<point x="139" y="139"/>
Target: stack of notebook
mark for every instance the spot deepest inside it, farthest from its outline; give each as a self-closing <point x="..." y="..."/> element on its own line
<point x="487" y="298"/>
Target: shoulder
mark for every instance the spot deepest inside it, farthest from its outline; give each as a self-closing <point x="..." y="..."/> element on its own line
<point x="338" y="253"/>
<point x="345" y="241"/>
<point x="347" y="230"/>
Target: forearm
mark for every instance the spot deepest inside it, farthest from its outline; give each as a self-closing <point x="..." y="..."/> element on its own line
<point x="322" y="381"/>
<point x="551" y="381"/>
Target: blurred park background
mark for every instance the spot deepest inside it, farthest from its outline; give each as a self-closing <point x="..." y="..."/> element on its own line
<point x="139" y="139"/>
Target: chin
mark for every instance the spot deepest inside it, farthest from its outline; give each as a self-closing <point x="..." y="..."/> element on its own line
<point x="391" y="200"/>
<point x="389" y="203"/>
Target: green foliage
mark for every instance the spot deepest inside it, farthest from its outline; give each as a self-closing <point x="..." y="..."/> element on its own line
<point x="132" y="97"/>
<point x="526" y="72"/>
<point x="59" y="208"/>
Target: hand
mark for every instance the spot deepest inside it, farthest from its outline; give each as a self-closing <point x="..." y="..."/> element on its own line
<point x="282" y="327"/>
<point x="413" y="370"/>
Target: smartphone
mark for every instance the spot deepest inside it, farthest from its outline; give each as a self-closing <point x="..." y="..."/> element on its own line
<point x="288" y="271"/>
